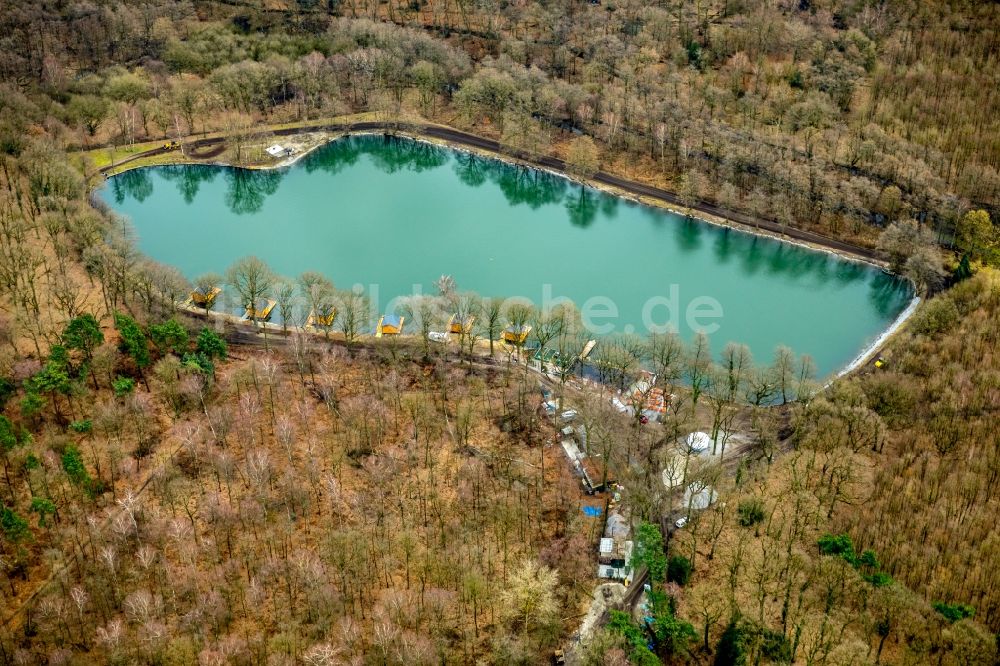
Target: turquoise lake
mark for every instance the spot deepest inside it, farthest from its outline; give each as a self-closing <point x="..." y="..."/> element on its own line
<point x="394" y="214"/>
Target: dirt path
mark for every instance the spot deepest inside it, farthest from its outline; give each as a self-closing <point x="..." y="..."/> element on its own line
<point x="211" y="147"/>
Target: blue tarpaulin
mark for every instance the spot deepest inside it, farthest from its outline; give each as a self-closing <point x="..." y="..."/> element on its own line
<point x="592" y="511"/>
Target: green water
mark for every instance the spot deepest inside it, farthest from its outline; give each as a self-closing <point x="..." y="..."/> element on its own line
<point x="394" y="214"/>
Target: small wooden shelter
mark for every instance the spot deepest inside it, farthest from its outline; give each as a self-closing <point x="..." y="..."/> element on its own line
<point x="323" y="319"/>
<point x="204" y="298"/>
<point x="459" y="324"/>
<point x="389" y="325"/>
<point x="516" y="335"/>
<point x="261" y="310"/>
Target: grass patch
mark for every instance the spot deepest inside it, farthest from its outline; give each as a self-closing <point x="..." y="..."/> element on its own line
<point x="105" y="155"/>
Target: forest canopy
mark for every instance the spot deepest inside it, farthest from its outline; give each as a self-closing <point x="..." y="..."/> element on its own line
<point x="180" y="488"/>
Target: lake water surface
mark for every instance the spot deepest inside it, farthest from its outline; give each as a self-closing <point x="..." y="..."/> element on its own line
<point x="394" y="214"/>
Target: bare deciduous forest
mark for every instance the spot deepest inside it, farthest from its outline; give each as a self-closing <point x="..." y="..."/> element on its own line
<point x="178" y="489"/>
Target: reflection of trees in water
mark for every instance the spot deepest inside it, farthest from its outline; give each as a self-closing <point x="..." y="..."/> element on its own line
<point x="888" y="293"/>
<point x="826" y="270"/>
<point x="582" y="208"/>
<point x="843" y="272"/>
<point x="248" y="188"/>
<point x="516" y="184"/>
<point x="657" y="217"/>
<point x="189" y="178"/>
<point x="471" y="170"/>
<point x="543" y="188"/>
<point x="723" y="247"/>
<point x="389" y="153"/>
<point x="524" y="185"/>
<point x="850" y="271"/>
<point x="392" y="154"/>
<point x="754" y="256"/>
<point x="135" y="184"/>
<point x="335" y="156"/>
<point x="535" y="188"/>
<point x="689" y="234"/>
<point x="794" y="261"/>
<point x="609" y="205"/>
<point x="422" y="156"/>
<point x="779" y="258"/>
<point x="552" y="188"/>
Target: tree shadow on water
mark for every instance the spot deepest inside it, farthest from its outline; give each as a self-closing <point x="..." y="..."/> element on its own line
<point x="248" y="188"/>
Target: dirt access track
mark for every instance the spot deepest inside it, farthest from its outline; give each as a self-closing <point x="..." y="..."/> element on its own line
<point x="210" y="147"/>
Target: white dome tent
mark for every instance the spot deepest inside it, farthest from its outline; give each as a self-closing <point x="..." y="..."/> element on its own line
<point x="673" y="476"/>
<point x="699" y="442"/>
<point x="699" y="496"/>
